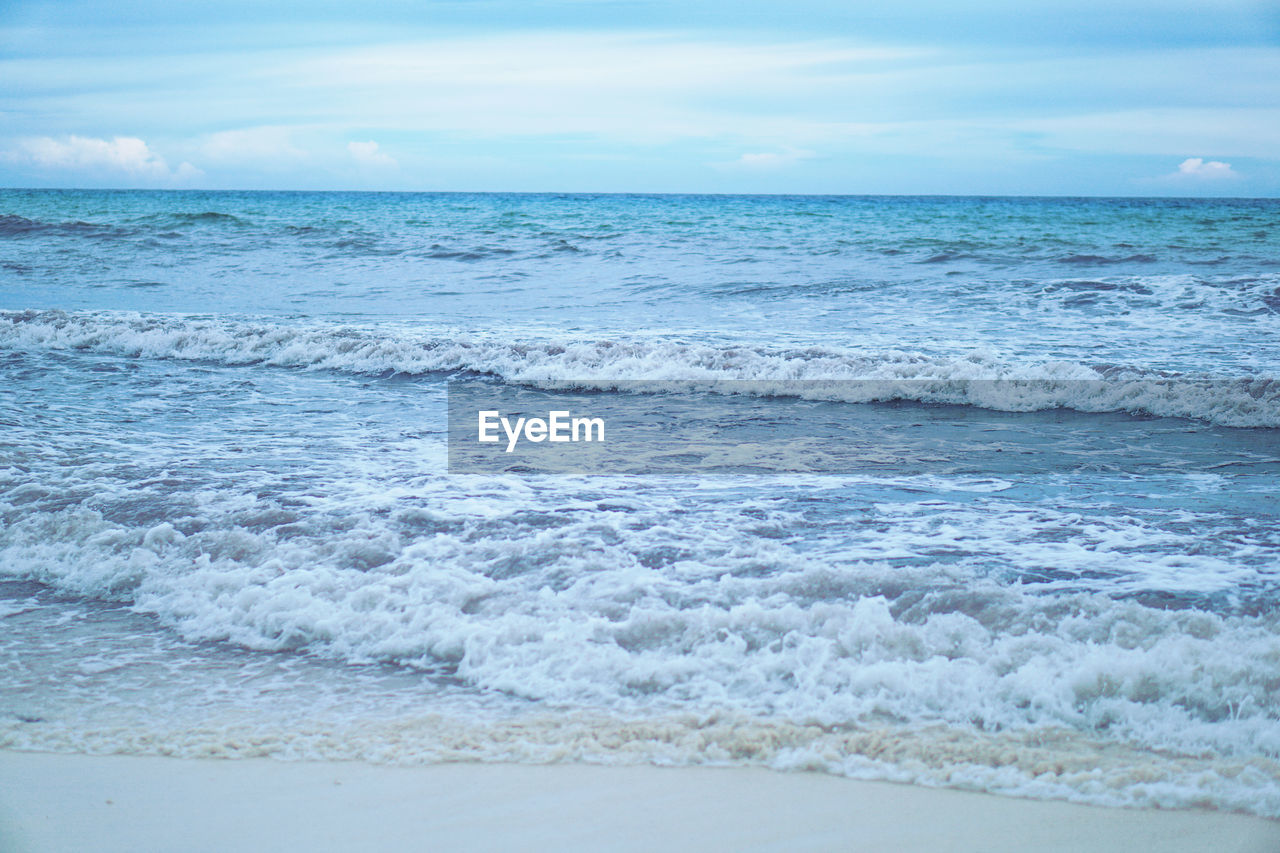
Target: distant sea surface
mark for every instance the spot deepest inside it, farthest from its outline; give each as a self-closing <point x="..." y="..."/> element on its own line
<point x="227" y="529"/>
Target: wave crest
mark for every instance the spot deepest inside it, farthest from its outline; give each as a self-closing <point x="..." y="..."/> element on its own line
<point x="820" y="372"/>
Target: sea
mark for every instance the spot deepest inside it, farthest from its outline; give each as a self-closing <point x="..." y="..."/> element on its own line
<point x="1040" y="556"/>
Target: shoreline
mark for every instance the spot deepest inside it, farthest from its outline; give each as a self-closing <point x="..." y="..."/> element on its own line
<point x="64" y="801"/>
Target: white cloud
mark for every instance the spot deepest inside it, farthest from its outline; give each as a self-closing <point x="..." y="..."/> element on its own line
<point x="367" y="154"/>
<point x="1252" y="131"/>
<point x="642" y="87"/>
<point x="127" y="154"/>
<point x="271" y="146"/>
<point x="767" y="160"/>
<point x="1197" y="167"/>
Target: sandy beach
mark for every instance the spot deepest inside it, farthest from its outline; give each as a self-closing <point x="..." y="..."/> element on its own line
<point x="57" y="802"/>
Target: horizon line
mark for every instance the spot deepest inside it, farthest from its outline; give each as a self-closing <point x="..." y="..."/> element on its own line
<point x="680" y="193"/>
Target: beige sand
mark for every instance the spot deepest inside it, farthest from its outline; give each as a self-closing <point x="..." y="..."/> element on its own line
<point x="53" y="802"/>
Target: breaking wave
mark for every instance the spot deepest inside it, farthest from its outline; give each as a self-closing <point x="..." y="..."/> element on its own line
<point x="819" y="372"/>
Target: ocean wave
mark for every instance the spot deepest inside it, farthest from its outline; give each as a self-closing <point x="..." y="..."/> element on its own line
<point x="20" y="226"/>
<point x="1168" y="294"/>
<point x="923" y="673"/>
<point x="1044" y="764"/>
<point x="1103" y="260"/>
<point x="205" y="217"/>
<point x="817" y="372"/>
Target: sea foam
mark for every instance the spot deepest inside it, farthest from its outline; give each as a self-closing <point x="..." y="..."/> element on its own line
<point x="557" y="361"/>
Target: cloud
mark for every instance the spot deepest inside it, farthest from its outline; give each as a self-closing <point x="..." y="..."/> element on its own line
<point x="766" y="160"/>
<point x="1252" y="131"/>
<point x="1198" y="168"/>
<point x="127" y="154"/>
<point x="271" y="146"/>
<point x="367" y="154"/>
<point x="529" y="108"/>
<point x="641" y="88"/>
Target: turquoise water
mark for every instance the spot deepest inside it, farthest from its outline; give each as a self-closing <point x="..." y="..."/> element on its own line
<point x="227" y="525"/>
<point x="1172" y="284"/>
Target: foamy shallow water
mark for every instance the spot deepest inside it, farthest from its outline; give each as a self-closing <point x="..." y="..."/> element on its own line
<point x="228" y="530"/>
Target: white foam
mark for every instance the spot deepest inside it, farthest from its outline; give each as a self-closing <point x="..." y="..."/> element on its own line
<point x="879" y="645"/>
<point x="637" y="608"/>
<point x="553" y="361"/>
<point x="1045" y="763"/>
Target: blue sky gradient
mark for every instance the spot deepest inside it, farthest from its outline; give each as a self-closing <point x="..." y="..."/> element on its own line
<point x="1083" y="98"/>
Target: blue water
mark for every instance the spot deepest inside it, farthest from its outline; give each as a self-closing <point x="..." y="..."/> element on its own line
<point x="227" y="526"/>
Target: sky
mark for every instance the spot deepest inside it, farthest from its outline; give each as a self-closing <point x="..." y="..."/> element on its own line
<point x="1171" y="98"/>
